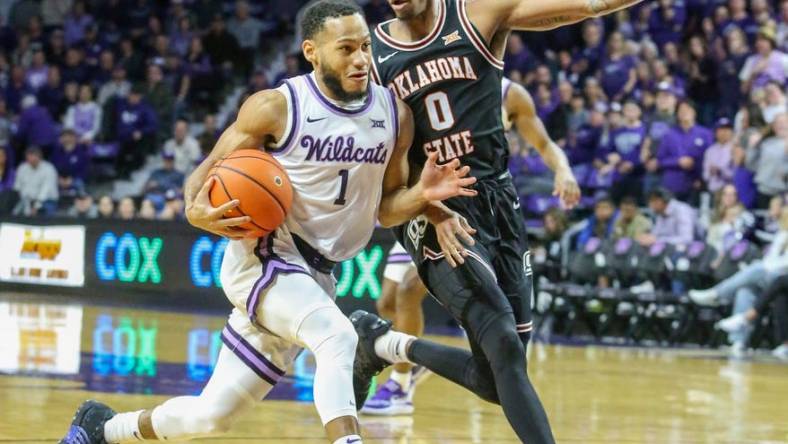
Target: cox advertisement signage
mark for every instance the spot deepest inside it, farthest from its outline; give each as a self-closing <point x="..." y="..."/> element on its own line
<point x="170" y="258"/>
<point x="181" y="259"/>
<point x="358" y="277"/>
<point x="128" y="258"/>
<point x="49" y="255"/>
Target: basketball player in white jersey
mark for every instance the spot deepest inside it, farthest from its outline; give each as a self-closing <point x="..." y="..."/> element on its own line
<point x="403" y="291"/>
<point x="343" y="142"/>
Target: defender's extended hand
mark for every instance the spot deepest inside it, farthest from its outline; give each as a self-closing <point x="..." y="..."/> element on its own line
<point x="566" y="188"/>
<point x="440" y="182"/>
<point x="452" y="231"/>
<point x="205" y="216"/>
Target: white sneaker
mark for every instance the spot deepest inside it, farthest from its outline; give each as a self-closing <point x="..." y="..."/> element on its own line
<point x="781" y="352"/>
<point x="733" y="324"/>
<point x="738" y="349"/>
<point x="645" y="287"/>
<point x="704" y="297"/>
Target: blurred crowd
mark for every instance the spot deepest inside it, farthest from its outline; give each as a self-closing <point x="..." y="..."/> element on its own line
<point x="685" y="97"/>
<point x="91" y="90"/>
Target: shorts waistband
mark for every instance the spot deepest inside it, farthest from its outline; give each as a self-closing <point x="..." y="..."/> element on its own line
<point x="497" y="178"/>
<point x="313" y="257"/>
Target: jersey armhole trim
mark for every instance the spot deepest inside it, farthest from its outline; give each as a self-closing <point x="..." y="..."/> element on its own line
<point x="476" y="39"/>
<point x="414" y="46"/>
<point x="293" y="122"/>
<point x="395" y="115"/>
<point x="374" y="72"/>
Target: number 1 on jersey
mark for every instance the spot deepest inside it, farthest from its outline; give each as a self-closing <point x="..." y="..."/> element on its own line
<point x="343" y="174"/>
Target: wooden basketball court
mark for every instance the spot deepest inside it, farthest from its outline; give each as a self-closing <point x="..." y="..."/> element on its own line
<point x="54" y="356"/>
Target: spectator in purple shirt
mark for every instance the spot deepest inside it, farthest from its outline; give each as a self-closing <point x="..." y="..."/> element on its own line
<point x="92" y="47"/>
<point x="16" y="88"/>
<point x="680" y="154"/>
<point x="742" y="19"/>
<point x="135" y="126"/>
<point x="71" y="160"/>
<point x="51" y="95"/>
<point x="518" y="57"/>
<point x="84" y="117"/>
<point x="663" y="74"/>
<point x="623" y="152"/>
<point x="666" y="22"/>
<point x="36" y="126"/>
<point x="203" y="85"/>
<point x="718" y="160"/>
<point x="586" y="60"/>
<point x="36" y="75"/>
<point x="618" y="69"/>
<point x="727" y="71"/>
<point x="74" y="69"/>
<point x="766" y="64"/>
<point x="181" y="36"/>
<point x="103" y="72"/>
<point x="76" y="23"/>
<point x="582" y="145"/>
<point x="675" y="220"/>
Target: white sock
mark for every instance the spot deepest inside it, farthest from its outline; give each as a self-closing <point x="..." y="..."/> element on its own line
<point x="392" y="346"/>
<point x="403" y="379"/>
<point x="123" y="427"/>
<point x="349" y="439"/>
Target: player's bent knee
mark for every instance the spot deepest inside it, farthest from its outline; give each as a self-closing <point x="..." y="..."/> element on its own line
<point x="342" y="343"/>
<point x="507" y="352"/>
<point x="329" y="335"/>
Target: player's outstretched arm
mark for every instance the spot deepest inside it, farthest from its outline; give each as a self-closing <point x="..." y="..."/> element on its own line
<point x="491" y="16"/>
<point x="399" y="203"/>
<point x="520" y="106"/>
<point x="260" y="121"/>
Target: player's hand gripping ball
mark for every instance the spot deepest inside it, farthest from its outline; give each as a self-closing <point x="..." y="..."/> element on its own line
<point x="260" y="184"/>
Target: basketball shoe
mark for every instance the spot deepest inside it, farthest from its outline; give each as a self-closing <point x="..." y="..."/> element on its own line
<point x="87" y="427"/>
<point x="367" y="363"/>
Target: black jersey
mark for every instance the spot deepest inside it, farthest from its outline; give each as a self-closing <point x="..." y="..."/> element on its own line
<point x="452" y="83"/>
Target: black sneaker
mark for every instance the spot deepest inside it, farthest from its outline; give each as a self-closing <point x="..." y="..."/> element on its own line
<point x="367" y="364"/>
<point x="87" y="427"/>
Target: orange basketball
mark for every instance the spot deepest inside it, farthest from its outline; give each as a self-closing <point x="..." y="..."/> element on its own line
<point x="259" y="183"/>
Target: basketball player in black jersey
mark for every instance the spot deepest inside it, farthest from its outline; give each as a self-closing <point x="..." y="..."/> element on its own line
<point x="443" y="58"/>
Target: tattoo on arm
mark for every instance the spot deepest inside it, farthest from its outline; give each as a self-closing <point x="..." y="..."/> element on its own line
<point x="607" y="6"/>
<point x="551" y="22"/>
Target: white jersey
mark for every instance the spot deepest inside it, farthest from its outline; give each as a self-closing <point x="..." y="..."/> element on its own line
<point x="335" y="159"/>
<point x="505" y="84"/>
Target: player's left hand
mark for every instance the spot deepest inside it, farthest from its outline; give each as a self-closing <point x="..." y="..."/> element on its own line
<point x="440" y="182"/>
<point x="566" y="188"/>
<point x="453" y="232"/>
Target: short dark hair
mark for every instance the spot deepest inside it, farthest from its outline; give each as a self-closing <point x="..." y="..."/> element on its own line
<point x="317" y="13"/>
<point x="629" y="200"/>
<point x="660" y="193"/>
<point x="603" y="197"/>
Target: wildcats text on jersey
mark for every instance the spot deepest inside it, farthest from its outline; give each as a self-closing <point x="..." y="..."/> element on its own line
<point x="432" y="71"/>
<point x="342" y="150"/>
